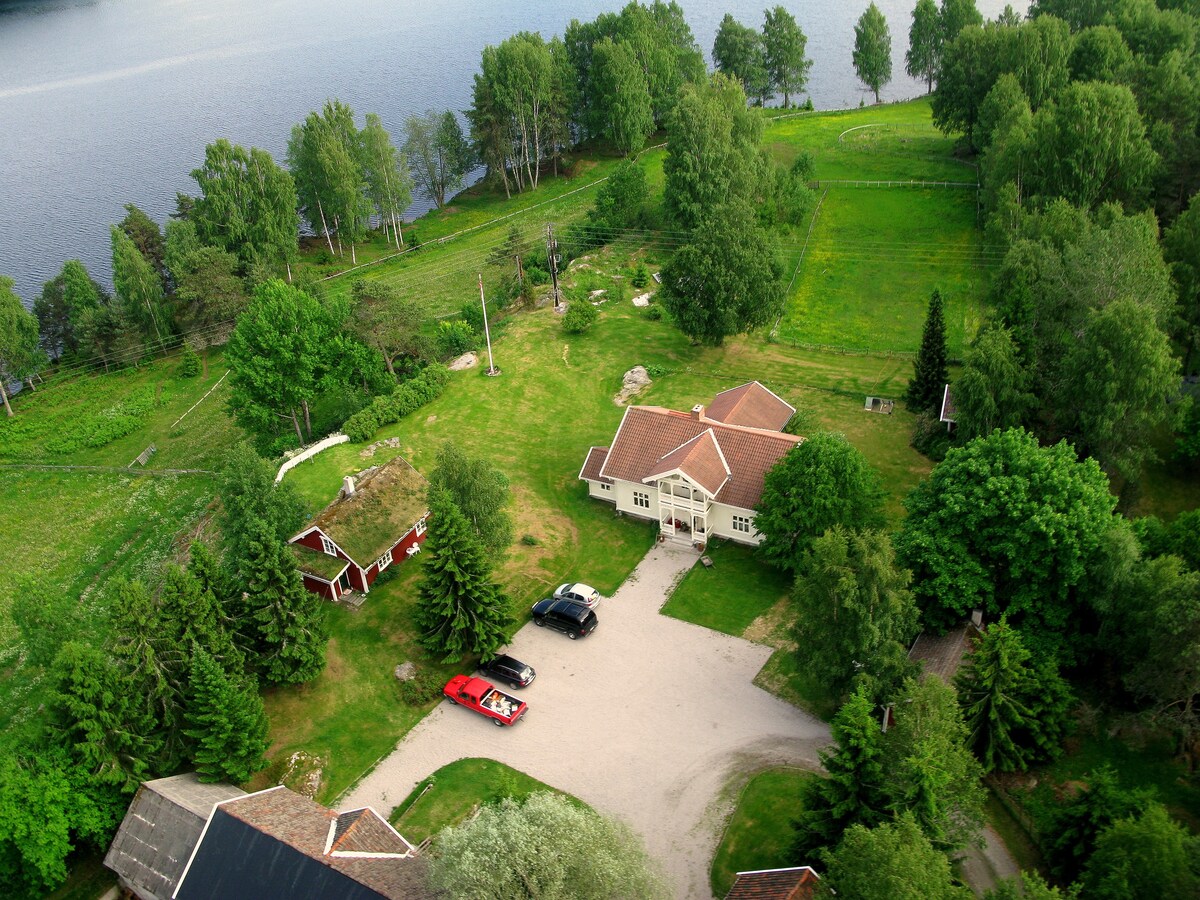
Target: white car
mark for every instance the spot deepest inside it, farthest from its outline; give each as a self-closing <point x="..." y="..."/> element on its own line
<point x="578" y="592"/>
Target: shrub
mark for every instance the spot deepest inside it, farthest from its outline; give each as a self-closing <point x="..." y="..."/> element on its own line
<point x="529" y="540"/>
<point x="455" y="338"/>
<point x="641" y="276"/>
<point x="420" y="689"/>
<point x="189" y="364"/>
<point x="472" y="313"/>
<point x="930" y="438"/>
<point x="536" y="275"/>
<point x="654" y="312"/>
<point x="393" y="407"/>
<point x="579" y="317"/>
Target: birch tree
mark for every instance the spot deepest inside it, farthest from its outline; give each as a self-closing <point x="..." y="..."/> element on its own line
<point x="388" y="183"/>
<point x="438" y="154"/>
<point x="18" y="339"/>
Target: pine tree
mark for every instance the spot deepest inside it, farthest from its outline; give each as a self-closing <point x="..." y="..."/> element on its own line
<point x="191" y="615"/>
<point x="154" y="667"/>
<point x="225" y="719"/>
<point x="284" y="622"/>
<point x="1016" y="713"/>
<point x="929" y="379"/>
<point x="102" y="725"/>
<point x="853" y="792"/>
<point x="461" y="610"/>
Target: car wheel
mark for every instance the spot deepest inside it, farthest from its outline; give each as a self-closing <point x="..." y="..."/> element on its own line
<point x="572" y="635"/>
<point x="453" y="702"/>
<point x="497" y="723"/>
<point x="539" y="623"/>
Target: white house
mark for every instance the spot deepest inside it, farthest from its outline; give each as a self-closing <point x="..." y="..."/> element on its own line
<point x="697" y="474"/>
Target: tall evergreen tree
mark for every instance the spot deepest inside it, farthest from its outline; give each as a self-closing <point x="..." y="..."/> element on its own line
<point x="249" y="498"/>
<point x="853" y="791"/>
<point x="1077" y="823"/>
<point x="929" y="379"/>
<point x="460" y="609"/>
<point x="1015" y="712"/>
<point x="226" y="722"/>
<point x="192" y="615"/>
<point x="285" y="622"/>
<point x="102" y="725"/>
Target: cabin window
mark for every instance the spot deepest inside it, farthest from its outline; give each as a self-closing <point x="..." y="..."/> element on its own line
<point x="328" y="546"/>
<point x="420" y="529"/>
<point x="742" y="524"/>
<point x="604" y="486"/>
<point x="642" y="499"/>
<point x="384" y="561"/>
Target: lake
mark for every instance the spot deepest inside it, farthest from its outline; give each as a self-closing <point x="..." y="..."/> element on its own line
<point x="108" y="102"/>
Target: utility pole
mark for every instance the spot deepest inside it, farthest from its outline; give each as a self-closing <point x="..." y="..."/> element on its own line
<point x="492" y="370"/>
<point x="551" y="257"/>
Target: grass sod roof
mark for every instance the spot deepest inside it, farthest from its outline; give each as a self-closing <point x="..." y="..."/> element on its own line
<point x="387" y="502"/>
<point x="319" y="564"/>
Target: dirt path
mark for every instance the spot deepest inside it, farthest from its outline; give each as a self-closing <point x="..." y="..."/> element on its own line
<point x="987" y="866"/>
<point x="647" y="720"/>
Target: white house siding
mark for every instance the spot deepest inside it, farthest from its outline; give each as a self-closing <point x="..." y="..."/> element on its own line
<point x="720" y="515"/>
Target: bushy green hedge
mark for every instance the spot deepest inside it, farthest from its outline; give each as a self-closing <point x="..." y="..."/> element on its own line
<point x="395" y="406"/>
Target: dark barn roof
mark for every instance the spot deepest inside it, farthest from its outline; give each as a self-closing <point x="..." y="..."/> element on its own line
<point x="278" y="845"/>
<point x="160" y="830"/>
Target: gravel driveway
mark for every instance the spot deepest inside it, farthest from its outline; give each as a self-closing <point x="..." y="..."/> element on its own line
<point x="649" y="720"/>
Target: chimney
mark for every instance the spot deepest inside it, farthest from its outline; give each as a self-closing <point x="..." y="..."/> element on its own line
<point x="698" y="411"/>
<point x="348" y="486"/>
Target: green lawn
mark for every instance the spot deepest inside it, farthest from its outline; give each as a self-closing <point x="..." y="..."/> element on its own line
<point x="874" y="258"/>
<point x="452" y="793"/>
<point x="732" y="594"/>
<point x="759" y="833"/>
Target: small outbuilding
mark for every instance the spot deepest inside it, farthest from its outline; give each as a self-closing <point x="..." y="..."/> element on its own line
<point x="378" y="519"/>
<point x="796" y="883"/>
<point x="949" y="412"/>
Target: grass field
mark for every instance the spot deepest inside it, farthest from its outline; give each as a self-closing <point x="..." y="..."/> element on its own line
<point x="759" y="833"/>
<point x="453" y="792"/>
<point x="876" y="253"/>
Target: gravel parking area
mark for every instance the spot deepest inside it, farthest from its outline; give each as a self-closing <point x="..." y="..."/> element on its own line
<point x="649" y="720"/>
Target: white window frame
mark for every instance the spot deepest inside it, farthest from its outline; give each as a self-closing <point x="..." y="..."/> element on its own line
<point x="384" y="561"/>
<point x="743" y="524"/>
<point x="641" y="499"/>
<point x="328" y="547"/>
<point x="605" y="486"/>
<point x="420" y="527"/>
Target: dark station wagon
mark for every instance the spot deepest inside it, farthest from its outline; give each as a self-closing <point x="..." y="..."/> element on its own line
<point x="573" y="619"/>
<point x="510" y="671"/>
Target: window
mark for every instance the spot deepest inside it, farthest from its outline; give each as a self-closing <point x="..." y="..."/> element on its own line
<point x="605" y="487"/>
<point x="642" y="499"/>
<point x="384" y="561"/>
<point x="328" y="546"/>
<point x="420" y="527"/>
<point x="742" y="524"/>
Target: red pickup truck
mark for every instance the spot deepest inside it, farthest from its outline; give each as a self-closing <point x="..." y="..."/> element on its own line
<point x="485" y="699"/>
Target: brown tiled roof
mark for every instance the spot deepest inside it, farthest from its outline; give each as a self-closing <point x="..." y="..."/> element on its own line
<point x="648" y="433"/>
<point x="593" y="463"/>
<point x="941" y="655"/>
<point x="774" y="884"/>
<point x="387" y="502"/>
<point x="304" y="824"/>
<point x="751" y="405"/>
<point x="700" y="459"/>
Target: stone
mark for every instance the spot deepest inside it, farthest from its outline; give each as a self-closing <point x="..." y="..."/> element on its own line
<point x="635" y="381"/>
<point x="466" y="361"/>
<point x="643" y="299"/>
<point x="406" y="671"/>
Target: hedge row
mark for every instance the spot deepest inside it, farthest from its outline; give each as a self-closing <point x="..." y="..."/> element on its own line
<point x="393" y="407"/>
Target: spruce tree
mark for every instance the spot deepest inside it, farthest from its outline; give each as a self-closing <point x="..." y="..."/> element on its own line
<point x="154" y="668"/>
<point x="284" y="622"/>
<point x="1016" y="712"/>
<point x="101" y="723"/>
<point x="929" y="378"/>
<point x="226" y="722"/>
<point x="460" y="609"/>
<point x="853" y="791"/>
<point x="191" y="615"/>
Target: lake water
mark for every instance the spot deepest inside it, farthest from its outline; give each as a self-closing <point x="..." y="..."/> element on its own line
<point x="108" y="102"/>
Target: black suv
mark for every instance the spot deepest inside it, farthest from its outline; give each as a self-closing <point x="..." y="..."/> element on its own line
<point x="510" y="671"/>
<point x="573" y="619"/>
